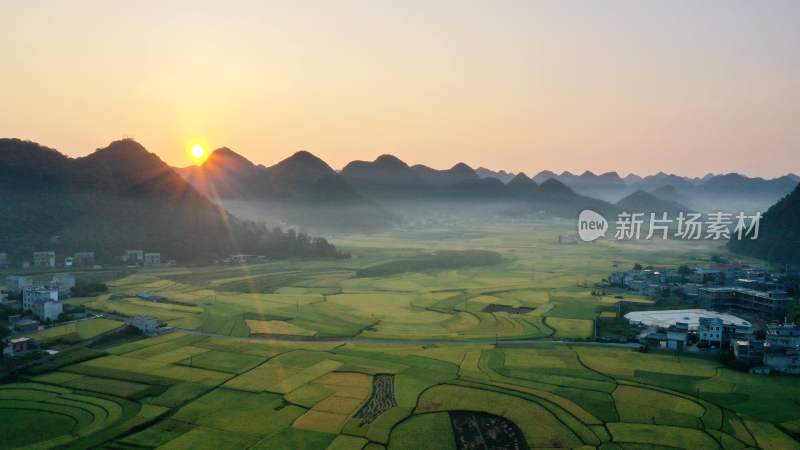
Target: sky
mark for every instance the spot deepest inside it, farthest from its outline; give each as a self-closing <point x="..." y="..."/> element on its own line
<point x="687" y="87"/>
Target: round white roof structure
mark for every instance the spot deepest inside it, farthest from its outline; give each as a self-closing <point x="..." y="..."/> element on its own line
<point x="665" y="318"/>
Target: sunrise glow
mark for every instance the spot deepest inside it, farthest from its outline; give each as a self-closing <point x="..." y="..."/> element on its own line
<point x="198" y="152"/>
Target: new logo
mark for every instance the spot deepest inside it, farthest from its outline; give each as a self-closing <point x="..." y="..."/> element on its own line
<point x="591" y="225"/>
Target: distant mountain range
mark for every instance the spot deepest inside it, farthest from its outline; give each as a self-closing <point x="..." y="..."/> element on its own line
<point x="119" y="197"/>
<point x="101" y="197"/>
<point x="461" y="191"/>
<point x="304" y="190"/>
<point x="501" y="175"/>
<point x="379" y="192"/>
<point x="300" y="190"/>
<point x="726" y="191"/>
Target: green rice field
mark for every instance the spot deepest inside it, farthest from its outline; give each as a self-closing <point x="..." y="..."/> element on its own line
<point x="285" y="355"/>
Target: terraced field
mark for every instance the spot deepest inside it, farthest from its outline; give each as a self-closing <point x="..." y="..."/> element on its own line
<point x="536" y="290"/>
<point x="272" y="394"/>
<point x="218" y="383"/>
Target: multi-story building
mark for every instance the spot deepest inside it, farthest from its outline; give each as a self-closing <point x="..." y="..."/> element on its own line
<point x="715" y="332"/>
<point x="765" y="304"/>
<point x="750" y="352"/>
<point x="44" y="259"/>
<point x="42" y="302"/>
<point x="64" y="283"/>
<point x="710" y="331"/>
<point x="152" y="259"/>
<point x="782" y="349"/>
<point x="16" y="283"/>
<point x="83" y="259"/>
<point x="677" y="336"/>
<point x="706" y="276"/>
<point x="783" y="336"/>
<point x="133" y="256"/>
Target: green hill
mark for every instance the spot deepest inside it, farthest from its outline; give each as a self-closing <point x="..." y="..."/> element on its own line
<point x="779" y="234"/>
<point x="121" y="197"/>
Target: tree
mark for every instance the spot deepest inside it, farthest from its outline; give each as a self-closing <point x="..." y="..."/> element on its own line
<point x="684" y="270"/>
<point x="637" y="266"/>
<point x="4" y="332"/>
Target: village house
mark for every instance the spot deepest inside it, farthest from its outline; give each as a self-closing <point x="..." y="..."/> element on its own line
<point x="19" y="346"/>
<point x="784" y="336"/>
<point x="152" y="259"/>
<point x="16" y="283"/>
<point x="64" y="283"/>
<point x="22" y="325"/>
<point x="677" y="336"/>
<point x="147" y="325"/>
<point x="702" y="275"/>
<point x="710" y="331"/>
<point x="782" y="350"/>
<point x="133" y="256"/>
<point x="43" y="302"/>
<point x="83" y="259"/>
<point x="768" y="305"/>
<point x="44" y="259"/>
<point x="689" y="290"/>
<point x="785" y="361"/>
<point x="749" y="352"/>
<point x="243" y="259"/>
<point x="779" y="353"/>
<point x="653" y="289"/>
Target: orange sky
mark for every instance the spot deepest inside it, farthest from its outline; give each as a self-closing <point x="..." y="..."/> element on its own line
<point x="686" y="87"/>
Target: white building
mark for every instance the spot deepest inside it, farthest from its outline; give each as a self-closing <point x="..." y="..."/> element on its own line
<point x="145" y="324"/>
<point x="133" y="256"/>
<point x="44" y="259"/>
<point x="19" y="346"/>
<point x="677" y="336"/>
<point x="782" y="349"/>
<point x="42" y="302"/>
<point x="85" y="259"/>
<point x="16" y="284"/>
<point x="48" y="310"/>
<point x="152" y="259"/>
<point x="665" y="318"/>
<point x="783" y="336"/>
<point x="64" y="282"/>
<point x="710" y="331"/>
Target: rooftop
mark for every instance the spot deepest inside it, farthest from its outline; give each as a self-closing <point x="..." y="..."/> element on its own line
<point x="667" y="318"/>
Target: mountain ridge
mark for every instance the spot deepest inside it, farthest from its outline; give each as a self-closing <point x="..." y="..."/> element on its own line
<point x="121" y="196"/>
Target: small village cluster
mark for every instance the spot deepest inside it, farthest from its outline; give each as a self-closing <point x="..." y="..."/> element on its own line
<point x="47" y="259"/>
<point x="723" y="292"/>
<point x="41" y="302"/>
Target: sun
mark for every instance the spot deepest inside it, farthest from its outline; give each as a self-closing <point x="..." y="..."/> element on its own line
<point x="198" y="152"/>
